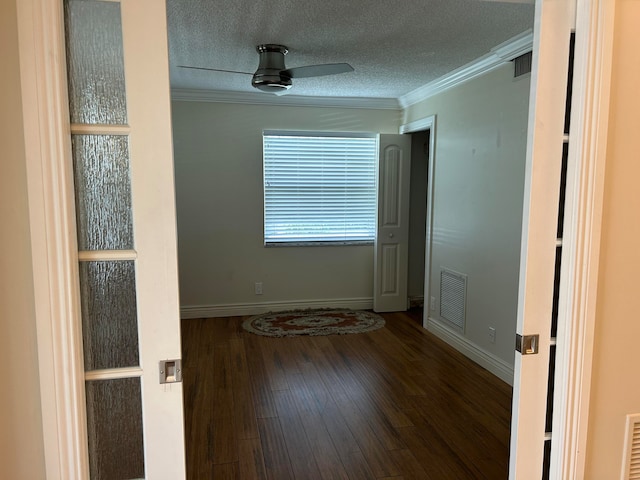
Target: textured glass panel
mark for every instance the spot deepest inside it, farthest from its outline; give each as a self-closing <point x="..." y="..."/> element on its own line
<point x="95" y="62"/>
<point x="563" y="188"/>
<point x="550" y="385"/>
<point x="114" y="427"/>
<point x="556" y="293"/>
<point x="109" y="320"/>
<point x="546" y="461"/>
<point x="103" y="192"/>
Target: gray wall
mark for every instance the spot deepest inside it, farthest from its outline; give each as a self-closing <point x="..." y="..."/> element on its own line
<point x="480" y="151"/>
<point x="218" y="165"/>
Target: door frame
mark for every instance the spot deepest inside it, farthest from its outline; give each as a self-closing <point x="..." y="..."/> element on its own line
<point x="594" y="27"/>
<point x="45" y="119"/>
<point x="423" y="124"/>
<point x="53" y="237"/>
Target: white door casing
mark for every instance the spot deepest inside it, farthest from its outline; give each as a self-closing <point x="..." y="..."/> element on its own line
<point x="422" y="124"/>
<point x="594" y="27"/>
<point x="392" y="232"/>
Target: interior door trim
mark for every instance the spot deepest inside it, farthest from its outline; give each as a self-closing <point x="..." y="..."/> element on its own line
<point x="53" y="237"/>
<point x="581" y="244"/>
<point x="426" y="123"/>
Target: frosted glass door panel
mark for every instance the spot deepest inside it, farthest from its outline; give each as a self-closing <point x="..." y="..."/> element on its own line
<point x="109" y="319"/>
<point x="114" y="425"/>
<point x="117" y="72"/>
<point x="103" y="192"/>
<point x="95" y="62"/>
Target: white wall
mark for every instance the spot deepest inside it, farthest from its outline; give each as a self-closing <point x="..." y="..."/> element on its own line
<point x="478" y="190"/>
<point x="615" y="389"/>
<point x="21" y="442"/>
<point x="218" y="165"/>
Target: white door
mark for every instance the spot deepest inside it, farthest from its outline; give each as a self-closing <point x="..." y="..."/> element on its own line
<point x="392" y="235"/>
<point x="530" y="445"/>
<point x="123" y="171"/>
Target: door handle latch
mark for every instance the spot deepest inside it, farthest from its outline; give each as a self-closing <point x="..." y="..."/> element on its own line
<point x="527" y="344"/>
<point x="170" y="371"/>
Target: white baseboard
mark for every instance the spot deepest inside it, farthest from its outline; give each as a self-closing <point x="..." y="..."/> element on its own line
<point x="238" y="309"/>
<point x="495" y="365"/>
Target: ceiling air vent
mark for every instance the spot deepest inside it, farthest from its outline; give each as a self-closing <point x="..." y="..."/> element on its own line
<point x="453" y="297"/>
<point x="522" y="64"/>
<point x="631" y="463"/>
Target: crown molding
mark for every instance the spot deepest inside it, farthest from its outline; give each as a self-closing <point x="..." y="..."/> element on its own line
<point x="498" y="55"/>
<point x="505" y="52"/>
<point x="515" y="46"/>
<point x="254" y="98"/>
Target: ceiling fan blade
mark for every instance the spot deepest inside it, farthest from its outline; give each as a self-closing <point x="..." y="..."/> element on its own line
<point x="214" y="70"/>
<point x="318" y="70"/>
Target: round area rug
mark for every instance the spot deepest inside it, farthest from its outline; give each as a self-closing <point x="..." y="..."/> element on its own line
<point x="313" y="322"/>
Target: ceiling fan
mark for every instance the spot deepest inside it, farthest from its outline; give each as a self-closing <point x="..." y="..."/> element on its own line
<point x="273" y="77"/>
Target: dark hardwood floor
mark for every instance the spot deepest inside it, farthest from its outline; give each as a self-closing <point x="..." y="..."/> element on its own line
<point x="396" y="403"/>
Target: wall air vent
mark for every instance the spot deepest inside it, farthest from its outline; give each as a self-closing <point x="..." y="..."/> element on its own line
<point x="631" y="463"/>
<point x="522" y="64"/>
<point x="453" y="297"/>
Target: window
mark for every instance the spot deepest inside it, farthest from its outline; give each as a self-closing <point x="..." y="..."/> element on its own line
<point x="319" y="188"/>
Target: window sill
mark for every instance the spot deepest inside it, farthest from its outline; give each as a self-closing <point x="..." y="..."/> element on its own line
<point x="359" y="243"/>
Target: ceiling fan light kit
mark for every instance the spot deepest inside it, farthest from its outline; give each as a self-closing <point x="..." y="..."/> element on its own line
<point x="271" y="75"/>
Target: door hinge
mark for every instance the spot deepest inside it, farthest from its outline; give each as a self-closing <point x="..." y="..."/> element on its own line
<point x="527" y="344"/>
<point x="170" y="371"/>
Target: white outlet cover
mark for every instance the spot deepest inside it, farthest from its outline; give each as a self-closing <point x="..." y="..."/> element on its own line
<point x="492" y="334"/>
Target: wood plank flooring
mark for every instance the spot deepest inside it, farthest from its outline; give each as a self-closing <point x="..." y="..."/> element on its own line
<point x="396" y="403"/>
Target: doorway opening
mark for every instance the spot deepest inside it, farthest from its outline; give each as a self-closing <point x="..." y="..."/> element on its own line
<point x="420" y="153"/>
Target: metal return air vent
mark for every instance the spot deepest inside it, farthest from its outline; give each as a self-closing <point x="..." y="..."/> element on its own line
<point x="522" y="64"/>
<point x="631" y="463"/>
<point x="453" y="297"/>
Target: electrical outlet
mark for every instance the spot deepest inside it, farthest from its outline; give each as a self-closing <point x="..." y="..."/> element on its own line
<point x="492" y="334"/>
<point x="258" y="288"/>
<point x="432" y="304"/>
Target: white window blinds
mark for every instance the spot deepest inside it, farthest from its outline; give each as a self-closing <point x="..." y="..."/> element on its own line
<point x="319" y="187"/>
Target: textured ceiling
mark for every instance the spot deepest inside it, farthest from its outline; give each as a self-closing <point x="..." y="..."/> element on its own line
<point x="395" y="47"/>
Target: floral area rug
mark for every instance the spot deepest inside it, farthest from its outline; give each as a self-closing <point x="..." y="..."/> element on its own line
<point x="313" y="322"/>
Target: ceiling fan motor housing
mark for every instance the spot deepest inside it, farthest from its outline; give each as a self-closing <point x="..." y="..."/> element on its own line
<point x="270" y="77"/>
